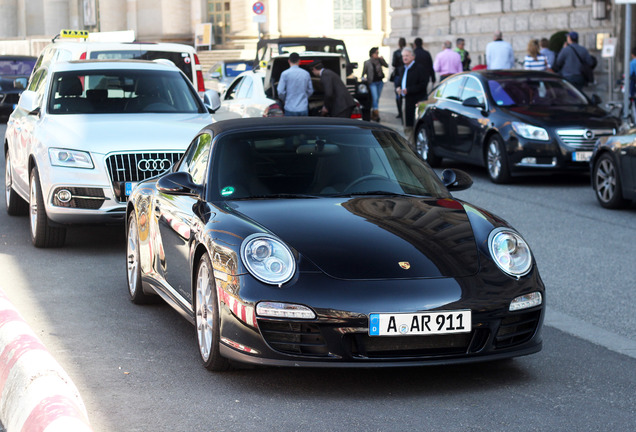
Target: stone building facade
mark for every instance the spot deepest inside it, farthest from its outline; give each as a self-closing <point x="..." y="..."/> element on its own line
<point x="520" y="20"/>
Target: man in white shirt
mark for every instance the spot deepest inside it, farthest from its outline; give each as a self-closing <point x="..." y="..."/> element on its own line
<point x="294" y="88"/>
<point x="499" y="53"/>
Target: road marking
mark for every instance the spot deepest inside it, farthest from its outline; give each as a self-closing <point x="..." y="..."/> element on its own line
<point x="590" y="332"/>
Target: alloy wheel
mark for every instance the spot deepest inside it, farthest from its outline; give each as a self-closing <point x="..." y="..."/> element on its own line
<point x="494" y="159"/>
<point x="204" y="310"/>
<point x="33" y="206"/>
<point x="132" y="253"/>
<point x="422" y="143"/>
<point x="605" y="180"/>
<point x="7" y="181"/>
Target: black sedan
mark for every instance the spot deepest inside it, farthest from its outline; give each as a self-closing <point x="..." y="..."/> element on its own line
<point x="328" y="242"/>
<point x="613" y="168"/>
<point x="14" y="74"/>
<point x="511" y="122"/>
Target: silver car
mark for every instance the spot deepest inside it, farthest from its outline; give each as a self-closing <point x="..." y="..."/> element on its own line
<point x="85" y="132"/>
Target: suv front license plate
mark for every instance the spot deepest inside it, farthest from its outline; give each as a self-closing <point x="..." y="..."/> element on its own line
<point x="425" y="323"/>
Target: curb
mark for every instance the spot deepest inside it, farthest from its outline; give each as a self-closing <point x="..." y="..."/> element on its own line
<point x="36" y="393"/>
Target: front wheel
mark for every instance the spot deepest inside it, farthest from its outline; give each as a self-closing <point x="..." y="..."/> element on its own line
<point x="497" y="160"/>
<point x="133" y="265"/>
<point x="607" y="183"/>
<point x="43" y="235"/>
<point x="207" y="323"/>
<point x="16" y="206"/>
<point x="423" y="147"/>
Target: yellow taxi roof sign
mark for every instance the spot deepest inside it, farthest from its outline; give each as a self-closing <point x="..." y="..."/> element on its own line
<point x="83" y="34"/>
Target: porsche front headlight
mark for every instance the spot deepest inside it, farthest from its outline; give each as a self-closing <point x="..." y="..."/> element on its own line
<point x="530" y="132"/>
<point x="510" y="251"/>
<point x="268" y="259"/>
<point x="70" y="158"/>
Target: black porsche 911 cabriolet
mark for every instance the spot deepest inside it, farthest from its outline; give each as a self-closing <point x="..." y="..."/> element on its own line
<point x="328" y="243"/>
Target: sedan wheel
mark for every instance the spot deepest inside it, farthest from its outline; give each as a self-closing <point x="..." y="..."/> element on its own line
<point x="422" y="145"/>
<point x="43" y="235"/>
<point x="133" y="266"/>
<point x="497" y="161"/>
<point x="207" y="318"/>
<point x="607" y="183"/>
<point x="16" y="206"/>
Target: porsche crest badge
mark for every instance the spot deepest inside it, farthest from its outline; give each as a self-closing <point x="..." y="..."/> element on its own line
<point x="405" y="265"/>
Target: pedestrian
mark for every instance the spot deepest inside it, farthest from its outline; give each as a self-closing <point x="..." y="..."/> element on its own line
<point x="547" y="52"/>
<point x="337" y="100"/>
<point x="447" y="62"/>
<point x="411" y="84"/>
<point x="397" y="64"/>
<point x="534" y="60"/>
<point x="632" y="85"/>
<point x="460" y="44"/>
<point x="294" y="88"/>
<point x="374" y="75"/>
<point x="574" y="62"/>
<point x="424" y="58"/>
<point x="499" y="53"/>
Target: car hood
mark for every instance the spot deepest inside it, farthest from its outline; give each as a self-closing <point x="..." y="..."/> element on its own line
<point x="373" y="238"/>
<point x="105" y="133"/>
<point x="588" y="116"/>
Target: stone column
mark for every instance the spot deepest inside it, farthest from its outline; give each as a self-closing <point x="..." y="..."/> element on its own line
<point x="8" y="18"/>
<point x="113" y="15"/>
<point x="56" y="13"/>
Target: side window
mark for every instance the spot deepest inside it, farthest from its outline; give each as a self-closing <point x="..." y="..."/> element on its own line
<point x="440" y="91"/>
<point x="245" y="92"/>
<point x="232" y="91"/>
<point x="472" y="88"/>
<point x="453" y="88"/>
<point x="195" y="160"/>
<point x="33" y="84"/>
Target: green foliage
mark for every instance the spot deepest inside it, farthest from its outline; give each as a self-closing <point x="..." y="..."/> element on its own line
<point x="557" y="40"/>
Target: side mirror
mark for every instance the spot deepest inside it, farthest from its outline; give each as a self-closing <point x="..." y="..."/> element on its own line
<point x="29" y="102"/>
<point x="178" y="183"/>
<point x="456" y="180"/>
<point x="596" y="99"/>
<point x="473" y="102"/>
<point x="215" y="75"/>
<point x="212" y="100"/>
<point x="20" y="83"/>
<point x="354" y="65"/>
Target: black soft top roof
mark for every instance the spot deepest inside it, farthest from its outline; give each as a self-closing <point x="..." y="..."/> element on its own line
<point x="272" y="123"/>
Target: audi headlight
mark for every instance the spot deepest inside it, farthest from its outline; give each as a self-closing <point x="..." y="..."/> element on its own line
<point x="510" y="251"/>
<point x="363" y="89"/>
<point x="268" y="259"/>
<point x="530" y="132"/>
<point x="70" y="158"/>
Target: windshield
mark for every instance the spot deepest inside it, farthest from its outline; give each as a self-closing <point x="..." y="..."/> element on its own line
<point x="180" y="59"/>
<point x="122" y="91"/>
<point x="13" y="67"/>
<point x="236" y="68"/>
<point x="535" y="91"/>
<point x="319" y="162"/>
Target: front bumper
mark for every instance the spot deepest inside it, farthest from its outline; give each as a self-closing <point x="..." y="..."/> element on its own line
<point x="339" y="336"/>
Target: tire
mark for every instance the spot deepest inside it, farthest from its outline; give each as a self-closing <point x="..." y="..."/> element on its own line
<point x="423" y="148"/>
<point x="207" y="321"/>
<point x="607" y="183"/>
<point x="133" y="264"/>
<point x="16" y="206"/>
<point x="43" y="235"/>
<point x="497" y="160"/>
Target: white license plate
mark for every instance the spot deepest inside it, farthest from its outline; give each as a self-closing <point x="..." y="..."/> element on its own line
<point x="582" y="156"/>
<point x="425" y="323"/>
<point x="129" y="187"/>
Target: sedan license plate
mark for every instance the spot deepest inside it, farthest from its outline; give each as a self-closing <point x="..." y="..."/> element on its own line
<point x="129" y="187"/>
<point x="582" y="156"/>
<point x="425" y="323"/>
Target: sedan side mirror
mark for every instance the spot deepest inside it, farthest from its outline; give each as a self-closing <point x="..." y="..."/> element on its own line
<point x="456" y="180"/>
<point x="179" y="183"/>
<point x="212" y="100"/>
<point x="29" y="102"/>
<point x="596" y="99"/>
<point x="20" y="83"/>
<point x="473" y="102"/>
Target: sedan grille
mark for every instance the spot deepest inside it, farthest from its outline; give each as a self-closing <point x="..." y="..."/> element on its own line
<point x="583" y="139"/>
<point x="136" y="167"/>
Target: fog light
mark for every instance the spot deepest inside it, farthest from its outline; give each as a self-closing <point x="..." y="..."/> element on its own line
<point x="526" y="301"/>
<point x="284" y="310"/>
<point x="529" y="161"/>
<point x="64" y="195"/>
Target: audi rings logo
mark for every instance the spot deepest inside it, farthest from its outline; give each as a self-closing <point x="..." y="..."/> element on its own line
<point x="588" y="134"/>
<point x="146" y="165"/>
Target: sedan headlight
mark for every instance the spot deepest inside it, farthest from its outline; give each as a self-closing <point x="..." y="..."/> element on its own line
<point x="70" y="158"/>
<point x="530" y="132"/>
<point x="268" y="259"/>
<point x="510" y="251"/>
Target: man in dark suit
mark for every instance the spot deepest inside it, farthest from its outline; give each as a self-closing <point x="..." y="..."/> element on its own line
<point x="411" y="83"/>
<point x="424" y="58"/>
<point x="338" y="101"/>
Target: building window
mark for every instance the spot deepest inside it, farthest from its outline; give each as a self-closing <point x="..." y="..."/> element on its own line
<point x="219" y="16"/>
<point x="349" y="14"/>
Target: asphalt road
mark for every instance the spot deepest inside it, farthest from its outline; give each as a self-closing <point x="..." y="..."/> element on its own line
<point x="138" y="369"/>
